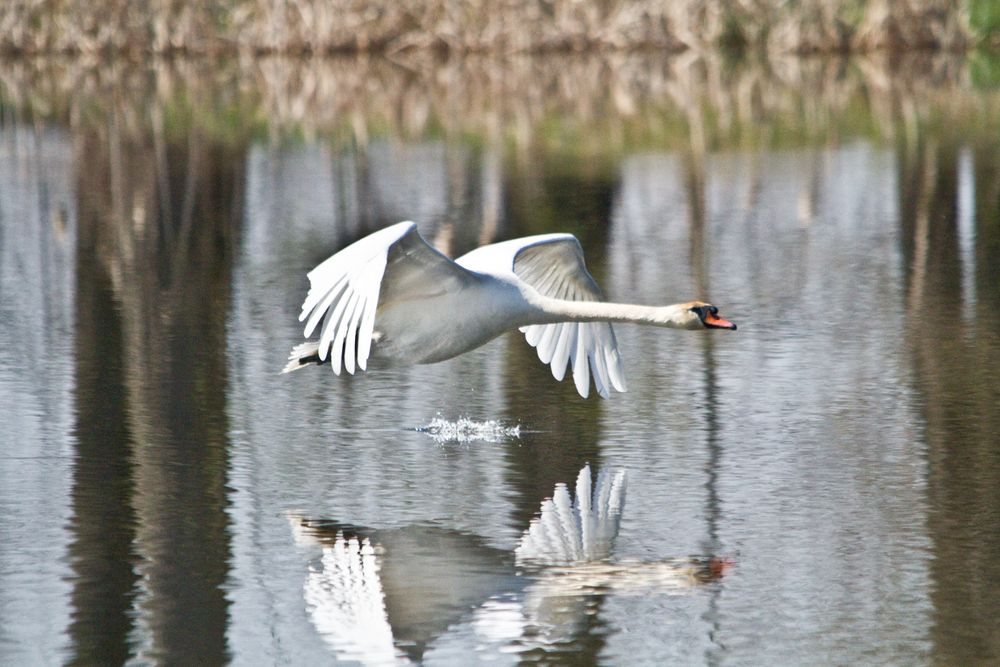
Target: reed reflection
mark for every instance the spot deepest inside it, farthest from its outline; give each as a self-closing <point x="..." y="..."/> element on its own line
<point x="104" y="522"/>
<point x="154" y="253"/>
<point x="654" y="101"/>
<point x="950" y="217"/>
<point x="386" y="596"/>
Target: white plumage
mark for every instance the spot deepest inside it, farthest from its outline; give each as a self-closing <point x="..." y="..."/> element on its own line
<point x="567" y="531"/>
<point x="344" y="597"/>
<point x="553" y="265"/>
<point x="392" y="297"/>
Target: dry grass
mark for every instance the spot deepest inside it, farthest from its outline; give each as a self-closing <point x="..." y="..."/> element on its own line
<point x="596" y="104"/>
<point x="495" y="26"/>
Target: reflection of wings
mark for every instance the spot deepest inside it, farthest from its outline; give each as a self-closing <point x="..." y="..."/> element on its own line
<point x="583" y="530"/>
<point x="344" y="597"/>
<point x="384" y="596"/>
<point x="554" y="266"/>
<point x="412" y="584"/>
<point x="568" y="536"/>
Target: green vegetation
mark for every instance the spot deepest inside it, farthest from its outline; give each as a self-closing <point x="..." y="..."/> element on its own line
<point x="985" y="70"/>
<point x="984" y="18"/>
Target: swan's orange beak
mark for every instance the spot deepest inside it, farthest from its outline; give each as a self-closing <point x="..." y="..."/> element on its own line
<point x="713" y="321"/>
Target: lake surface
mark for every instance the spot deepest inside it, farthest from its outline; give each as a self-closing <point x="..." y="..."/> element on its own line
<point x="821" y="486"/>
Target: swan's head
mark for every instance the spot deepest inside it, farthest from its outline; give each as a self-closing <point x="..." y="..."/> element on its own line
<point x="705" y="315"/>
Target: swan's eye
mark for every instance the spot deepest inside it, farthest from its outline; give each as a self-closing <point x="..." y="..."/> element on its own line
<point x="713" y="310"/>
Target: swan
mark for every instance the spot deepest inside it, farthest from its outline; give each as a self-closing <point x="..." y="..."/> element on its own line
<point x="393" y="298"/>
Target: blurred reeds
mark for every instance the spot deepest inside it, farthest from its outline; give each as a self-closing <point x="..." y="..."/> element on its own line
<point x="597" y="104"/>
<point x="496" y="26"/>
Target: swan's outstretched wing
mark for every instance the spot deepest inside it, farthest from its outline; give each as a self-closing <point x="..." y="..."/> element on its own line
<point x="554" y="266"/>
<point x="345" y="291"/>
<point x="580" y="530"/>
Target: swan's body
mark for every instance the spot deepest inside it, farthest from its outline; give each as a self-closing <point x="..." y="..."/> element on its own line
<point x="392" y="298"/>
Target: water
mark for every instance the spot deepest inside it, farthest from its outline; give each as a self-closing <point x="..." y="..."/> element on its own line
<point x="820" y="486"/>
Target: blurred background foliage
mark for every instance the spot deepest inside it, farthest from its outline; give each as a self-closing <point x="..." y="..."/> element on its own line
<point x="510" y="26"/>
<point x="600" y="105"/>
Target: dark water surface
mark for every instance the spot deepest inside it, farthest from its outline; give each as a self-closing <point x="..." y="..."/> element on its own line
<point x="820" y="487"/>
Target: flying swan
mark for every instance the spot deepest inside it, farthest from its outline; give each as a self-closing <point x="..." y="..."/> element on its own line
<point x="393" y="298"/>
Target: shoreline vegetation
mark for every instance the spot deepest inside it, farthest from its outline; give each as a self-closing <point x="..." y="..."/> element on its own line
<point x="321" y="27"/>
<point x="591" y="104"/>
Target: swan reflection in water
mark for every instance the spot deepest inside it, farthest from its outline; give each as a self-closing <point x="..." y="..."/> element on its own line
<point x="383" y="596"/>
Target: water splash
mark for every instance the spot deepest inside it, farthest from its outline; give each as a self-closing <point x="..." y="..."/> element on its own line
<point x="463" y="430"/>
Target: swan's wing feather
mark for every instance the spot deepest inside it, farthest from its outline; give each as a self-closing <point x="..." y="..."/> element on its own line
<point x="554" y="266"/>
<point x="561" y="350"/>
<point x="346" y="290"/>
<point x="579" y="356"/>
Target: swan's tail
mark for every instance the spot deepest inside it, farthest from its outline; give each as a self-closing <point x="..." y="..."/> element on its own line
<point x="302" y="355"/>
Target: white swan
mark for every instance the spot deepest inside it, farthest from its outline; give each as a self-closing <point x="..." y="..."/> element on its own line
<point x="392" y="297"/>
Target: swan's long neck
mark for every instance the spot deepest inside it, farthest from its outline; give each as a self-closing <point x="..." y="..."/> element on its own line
<point x="676" y="316"/>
